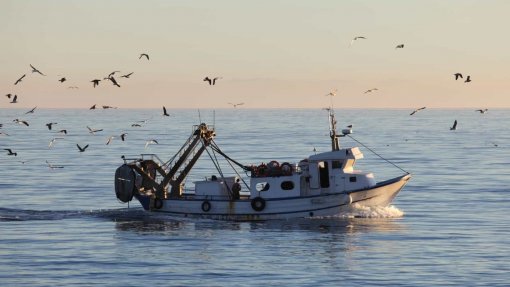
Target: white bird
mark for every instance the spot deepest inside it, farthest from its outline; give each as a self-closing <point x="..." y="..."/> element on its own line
<point x="332" y="93"/>
<point x="371" y="90"/>
<point x="93" y="131"/>
<point x="110" y="140"/>
<point x="54" y="166"/>
<point x="21" y="122"/>
<point x="149" y="142"/>
<point x="482" y="111"/>
<point x="52" y="142"/>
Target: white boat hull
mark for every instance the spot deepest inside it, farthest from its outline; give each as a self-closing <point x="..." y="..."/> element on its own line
<point x="276" y="208"/>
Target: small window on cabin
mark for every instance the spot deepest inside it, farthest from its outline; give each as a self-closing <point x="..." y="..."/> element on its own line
<point x="287" y="185"/>
<point x="336" y="164"/>
<point x="262" y="186"/>
<point x="352" y="179"/>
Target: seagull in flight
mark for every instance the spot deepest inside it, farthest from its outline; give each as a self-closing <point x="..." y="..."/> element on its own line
<point x="54" y="166"/>
<point x="9" y="152"/>
<point x="164" y="112"/>
<point x="482" y="111"/>
<point x="34" y="70"/>
<point x="52" y="142"/>
<point x="144" y="55"/>
<point x="235" y="105"/>
<point x="96" y="82"/>
<point x="19" y="80"/>
<point x="93" y="131"/>
<point x="14" y="99"/>
<point x="356" y="38"/>
<point x="454" y="127"/>
<point x="49" y="125"/>
<point x="108" y="107"/>
<point x="127" y="75"/>
<point x="63" y="79"/>
<point x="110" y="140"/>
<point x="114" y="82"/>
<point x="401" y="46"/>
<point x="468" y="79"/>
<point x="63" y="132"/>
<point x="213" y="81"/>
<point x="82" y="149"/>
<point x="332" y="93"/>
<point x="371" y="90"/>
<point x="149" y="142"/>
<point x="93" y="107"/>
<point x="415" y="111"/>
<point x="123" y="136"/>
<point x="21" y="122"/>
<point x="31" y="111"/>
<point x="457" y="76"/>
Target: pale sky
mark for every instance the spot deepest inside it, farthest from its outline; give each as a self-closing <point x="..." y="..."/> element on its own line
<point x="270" y="54"/>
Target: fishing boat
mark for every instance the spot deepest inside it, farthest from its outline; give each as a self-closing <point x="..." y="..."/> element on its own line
<point x="323" y="184"/>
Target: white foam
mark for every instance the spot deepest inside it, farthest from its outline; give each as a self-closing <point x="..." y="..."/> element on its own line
<point x="360" y="211"/>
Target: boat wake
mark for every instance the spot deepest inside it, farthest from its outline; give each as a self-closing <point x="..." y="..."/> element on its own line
<point x="360" y="211"/>
<point x="9" y="214"/>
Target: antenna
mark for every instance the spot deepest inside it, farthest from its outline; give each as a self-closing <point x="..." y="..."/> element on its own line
<point x="199" y="117"/>
<point x="214" y="118"/>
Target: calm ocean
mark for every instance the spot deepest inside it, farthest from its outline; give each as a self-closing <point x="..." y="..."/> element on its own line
<point x="64" y="227"/>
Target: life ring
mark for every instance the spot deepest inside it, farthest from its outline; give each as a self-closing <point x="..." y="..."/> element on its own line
<point x="258" y="203"/>
<point x="206" y="206"/>
<point x="286" y="168"/>
<point x="158" y="203"/>
<point x="273" y="164"/>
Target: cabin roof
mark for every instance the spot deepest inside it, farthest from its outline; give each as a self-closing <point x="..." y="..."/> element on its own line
<point x="341" y="154"/>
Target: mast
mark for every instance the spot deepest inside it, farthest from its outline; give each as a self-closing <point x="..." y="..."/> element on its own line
<point x="335" y="145"/>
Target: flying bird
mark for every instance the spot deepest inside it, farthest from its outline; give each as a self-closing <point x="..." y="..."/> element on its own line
<point x="401" y="46"/>
<point x="52" y="142"/>
<point x="63" y="132"/>
<point x="8" y="96"/>
<point x="109" y="140"/>
<point x="96" y="82"/>
<point x="123" y="136"/>
<point x="9" y="152"/>
<point x="49" y="125"/>
<point x="332" y="93"/>
<point x="457" y="76"/>
<point x="93" y="131"/>
<point x="114" y="82"/>
<point x="54" y="166"/>
<point x="482" y="111"/>
<point x="415" y="111"/>
<point x="164" y="112"/>
<point x="144" y="55"/>
<point x="126" y="75"/>
<point x="63" y="79"/>
<point x="4" y="134"/>
<point x="14" y="99"/>
<point x="235" y="105"/>
<point x="34" y="70"/>
<point x="93" y="107"/>
<point x="371" y="90"/>
<point x="31" y="111"/>
<point x="356" y="38"/>
<point x="82" y="149"/>
<point x="454" y="127"/>
<point x="108" y="107"/>
<point x="468" y="79"/>
<point x="149" y="142"/>
<point x="19" y="80"/>
<point x="213" y="81"/>
<point x="73" y="87"/>
<point x="136" y="125"/>
<point x="21" y="122"/>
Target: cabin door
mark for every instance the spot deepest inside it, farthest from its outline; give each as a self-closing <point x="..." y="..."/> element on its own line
<point x="313" y="170"/>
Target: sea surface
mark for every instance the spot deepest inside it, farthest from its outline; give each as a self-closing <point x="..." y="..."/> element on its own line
<point x="450" y="226"/>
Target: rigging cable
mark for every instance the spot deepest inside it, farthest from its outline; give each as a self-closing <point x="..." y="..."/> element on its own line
<point x="378" y="154"/>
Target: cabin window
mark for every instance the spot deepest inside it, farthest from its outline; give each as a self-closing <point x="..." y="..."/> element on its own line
<point x="262" y="186"/>
<point x="336" y="164"/>
<point x="352" y="179"/>
<point x="287" y="185"/>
